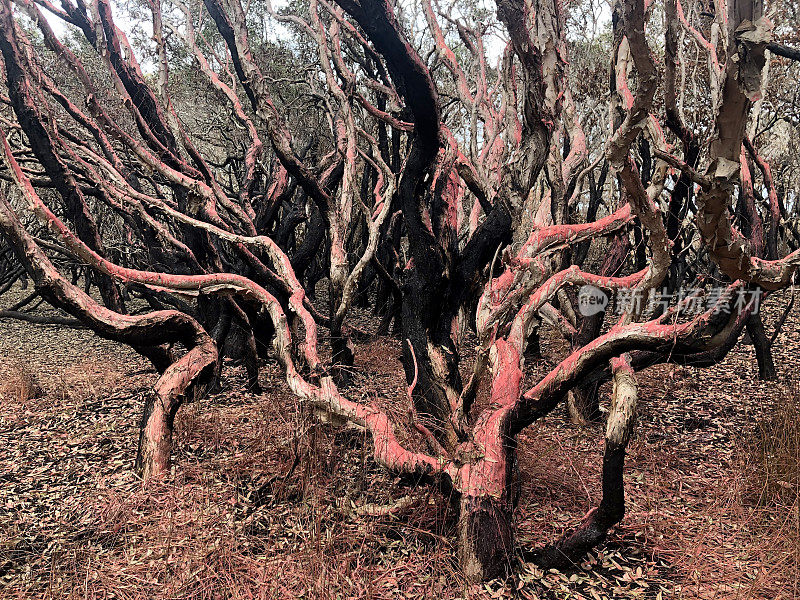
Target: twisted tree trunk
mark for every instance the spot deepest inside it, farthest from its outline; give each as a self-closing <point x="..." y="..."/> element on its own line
<point x="188" y="374"/>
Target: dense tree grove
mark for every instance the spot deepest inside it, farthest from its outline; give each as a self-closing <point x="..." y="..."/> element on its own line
<point x="213" y="180"/>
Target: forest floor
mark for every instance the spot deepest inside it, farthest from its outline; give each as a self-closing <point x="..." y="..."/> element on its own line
<point x="263" y="502"/>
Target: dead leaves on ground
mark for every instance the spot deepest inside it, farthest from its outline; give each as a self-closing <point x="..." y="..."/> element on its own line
<point x="238" y="520"/>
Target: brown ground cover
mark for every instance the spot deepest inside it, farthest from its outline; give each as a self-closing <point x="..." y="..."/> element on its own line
<point x="265" y="503"/>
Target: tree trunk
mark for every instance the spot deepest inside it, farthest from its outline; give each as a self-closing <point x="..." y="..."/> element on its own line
<point x="155" y="438"/>
<point x="485" y="537"/>
<point x="766" y="366"/>
<point x="486" y="482"/>
<point x="487" y="502"/>
<point x="341" y="347"/>
<point x="342" y="356"/>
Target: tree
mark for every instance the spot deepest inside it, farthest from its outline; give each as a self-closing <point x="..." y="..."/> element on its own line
<point x="471" y="196"/>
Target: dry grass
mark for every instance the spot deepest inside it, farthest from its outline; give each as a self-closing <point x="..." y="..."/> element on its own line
<point x="773" y="476"/>
<point x="777" y="452"/>
<point x="20" y="384"/>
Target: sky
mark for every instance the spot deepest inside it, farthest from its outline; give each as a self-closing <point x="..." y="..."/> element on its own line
<point x="493" y="43"/>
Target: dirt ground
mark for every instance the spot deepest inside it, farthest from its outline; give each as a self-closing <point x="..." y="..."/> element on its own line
<point x="264" y="503"/>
